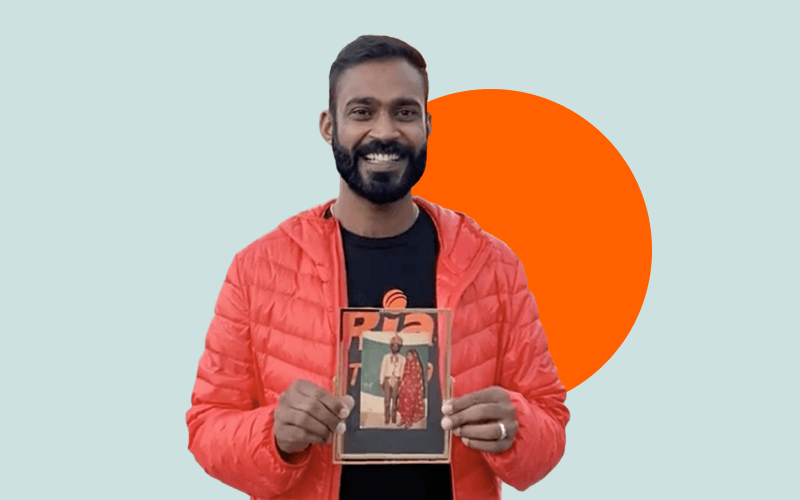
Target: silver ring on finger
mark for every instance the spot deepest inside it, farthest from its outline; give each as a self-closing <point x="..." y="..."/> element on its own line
<point x="503" y="432"/>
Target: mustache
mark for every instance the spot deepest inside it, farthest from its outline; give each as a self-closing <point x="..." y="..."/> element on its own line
<point x="377" y="147"/>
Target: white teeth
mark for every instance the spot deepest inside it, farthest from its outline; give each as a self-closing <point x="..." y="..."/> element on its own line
<point x="381" y="158"/>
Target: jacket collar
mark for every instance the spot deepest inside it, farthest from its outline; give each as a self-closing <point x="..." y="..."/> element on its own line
<point x="461" y="241"/>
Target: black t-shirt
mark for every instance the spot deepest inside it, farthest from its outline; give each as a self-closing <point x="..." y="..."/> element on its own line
<point x="374" y="266"/>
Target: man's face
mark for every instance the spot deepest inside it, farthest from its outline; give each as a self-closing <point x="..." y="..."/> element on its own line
<point x="381" y="129"/>
<point x="395" y="347"/>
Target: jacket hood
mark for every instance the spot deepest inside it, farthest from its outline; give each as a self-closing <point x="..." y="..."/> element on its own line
<point x="461" y="240"/>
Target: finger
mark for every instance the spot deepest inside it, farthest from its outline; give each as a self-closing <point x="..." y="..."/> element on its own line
<point x="486" y="432"/>
<point x="299" y="437"/>
<point x="488" y="446"/>
<point x="315" y="410"/>
<point x="340" y="429"/>
<point x="302" y="420"/>
<point x="489" y="395"/>
<point x="478" y="414"/>
<point x="348" y="403"/>
<point x="333" y="404"/>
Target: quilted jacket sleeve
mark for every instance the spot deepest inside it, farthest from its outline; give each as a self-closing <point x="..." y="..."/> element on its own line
<point x="230" y="421"/>
<point x="527" y="372"/>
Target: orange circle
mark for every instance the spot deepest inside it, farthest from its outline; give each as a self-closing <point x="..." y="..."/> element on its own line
<point x="555" y="190"/>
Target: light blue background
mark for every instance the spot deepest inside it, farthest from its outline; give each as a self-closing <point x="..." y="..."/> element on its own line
<point x="142" y="144"/>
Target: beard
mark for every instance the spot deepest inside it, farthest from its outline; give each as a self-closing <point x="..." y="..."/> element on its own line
<point x="379" y="187"/>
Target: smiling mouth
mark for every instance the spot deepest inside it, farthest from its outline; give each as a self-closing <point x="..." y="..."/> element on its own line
<point x="381" y="158"/>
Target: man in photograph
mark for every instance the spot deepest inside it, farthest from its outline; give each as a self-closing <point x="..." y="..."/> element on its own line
<point x="263" y="410"/>
<point x="392" y="366"/>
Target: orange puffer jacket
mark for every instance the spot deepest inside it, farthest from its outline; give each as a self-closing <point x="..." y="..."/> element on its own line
<point x="276" y="320"/>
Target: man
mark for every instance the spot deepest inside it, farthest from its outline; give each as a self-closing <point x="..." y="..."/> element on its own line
<point x="392" y="366"/>
<point x="262" y="412"/>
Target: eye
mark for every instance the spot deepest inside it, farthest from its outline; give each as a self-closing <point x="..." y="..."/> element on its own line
<point x="407" y="114"/>
<point x="361" y="112"/>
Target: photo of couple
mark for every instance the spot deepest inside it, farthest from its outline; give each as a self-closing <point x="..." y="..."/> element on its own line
<point x="395" y="379"/>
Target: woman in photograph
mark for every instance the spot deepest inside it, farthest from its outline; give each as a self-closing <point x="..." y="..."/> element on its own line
<point x="410" y="403"/>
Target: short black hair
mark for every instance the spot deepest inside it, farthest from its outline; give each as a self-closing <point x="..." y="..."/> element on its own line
<point x="369" y="48"/>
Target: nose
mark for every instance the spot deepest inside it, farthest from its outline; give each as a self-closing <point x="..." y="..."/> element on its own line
<point x="384" y="128"/>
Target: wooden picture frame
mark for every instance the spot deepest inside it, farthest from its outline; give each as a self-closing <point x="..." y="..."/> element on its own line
<point x="395" y="363"/>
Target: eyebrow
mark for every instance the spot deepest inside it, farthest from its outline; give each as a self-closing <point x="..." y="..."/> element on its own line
<point x="371" y="101"/>
<point x="405" y="101"/>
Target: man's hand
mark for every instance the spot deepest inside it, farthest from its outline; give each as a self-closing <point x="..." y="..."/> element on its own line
<point x="308" y="414"/>
<point x="477" y="418"/>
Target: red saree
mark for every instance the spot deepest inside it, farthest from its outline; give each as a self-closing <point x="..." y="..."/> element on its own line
<point x="410" y="403"/>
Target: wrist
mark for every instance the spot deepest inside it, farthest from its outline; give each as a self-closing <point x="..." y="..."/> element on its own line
<point x="290" y="457"/>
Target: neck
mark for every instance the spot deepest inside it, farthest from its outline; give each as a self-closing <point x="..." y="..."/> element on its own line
<point x="364" y="218"/>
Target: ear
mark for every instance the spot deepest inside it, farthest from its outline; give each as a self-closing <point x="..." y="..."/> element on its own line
<point x="326" y="126"/>
<point x="428" y="122"/>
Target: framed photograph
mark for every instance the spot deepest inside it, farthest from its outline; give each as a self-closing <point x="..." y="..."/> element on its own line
<point x="395" y="363"/>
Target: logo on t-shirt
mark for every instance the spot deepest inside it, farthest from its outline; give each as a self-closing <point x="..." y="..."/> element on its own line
<point x="395" y="299"/>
